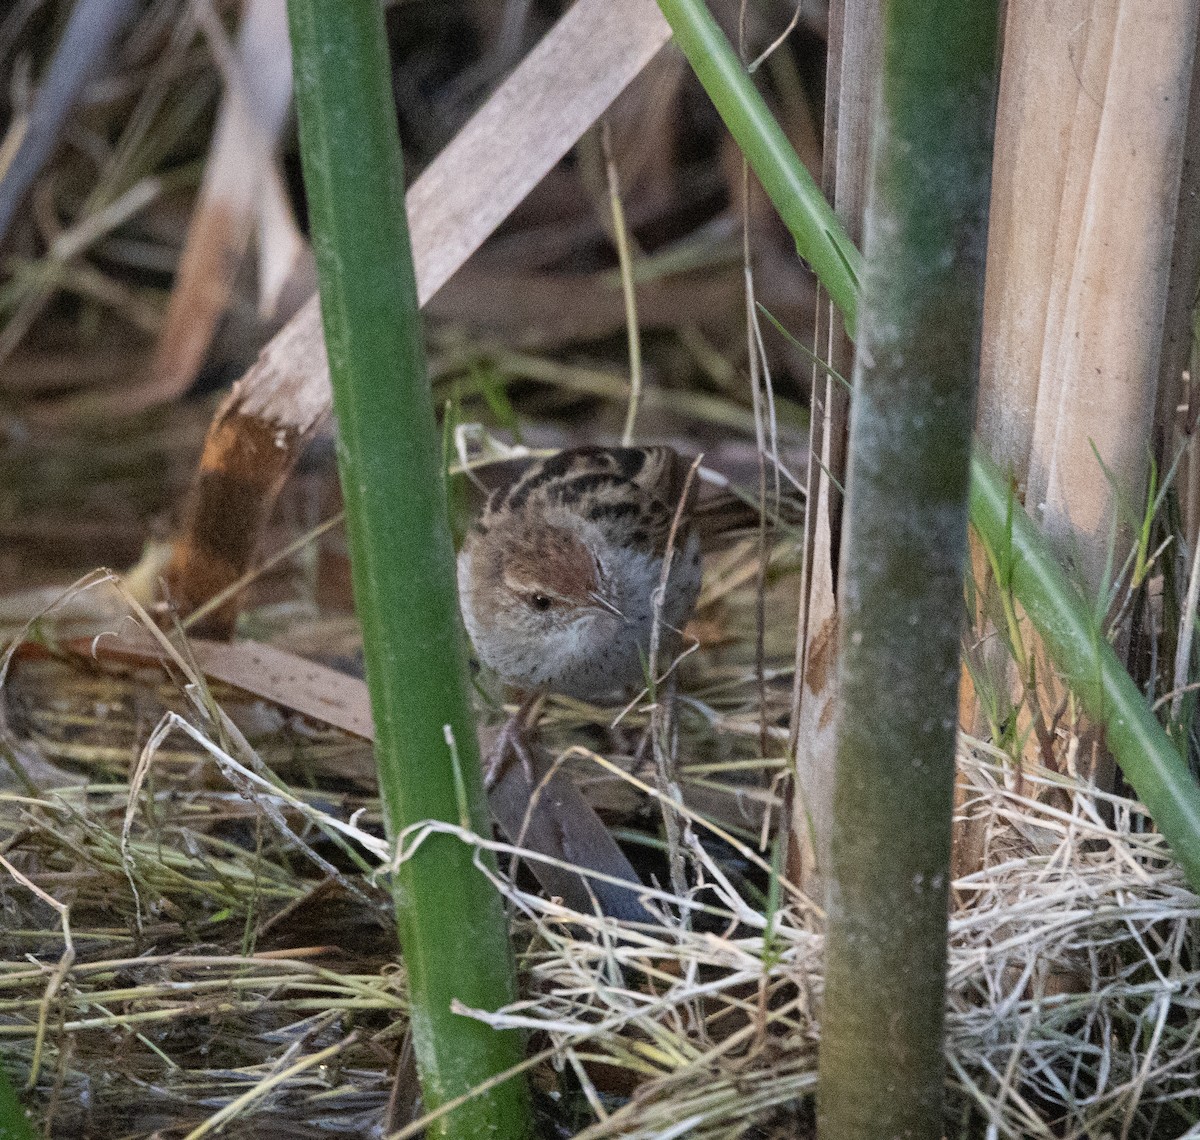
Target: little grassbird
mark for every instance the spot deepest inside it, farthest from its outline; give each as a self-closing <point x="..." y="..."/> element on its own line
<point x="558" y="577"/>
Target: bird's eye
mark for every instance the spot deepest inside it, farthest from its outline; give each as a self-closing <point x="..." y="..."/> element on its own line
<point x="540" y="602"/>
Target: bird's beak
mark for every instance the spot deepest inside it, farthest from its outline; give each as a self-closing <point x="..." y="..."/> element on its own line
<point x="604" y="604"/>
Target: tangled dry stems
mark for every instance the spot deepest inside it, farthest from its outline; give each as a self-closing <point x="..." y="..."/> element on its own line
<point x="1073" y="971"/>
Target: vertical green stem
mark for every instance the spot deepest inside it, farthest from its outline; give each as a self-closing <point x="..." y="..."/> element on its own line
<point x="912" y="413"/>
<point x="893" y="801"/>
<point x="450" y="920"/>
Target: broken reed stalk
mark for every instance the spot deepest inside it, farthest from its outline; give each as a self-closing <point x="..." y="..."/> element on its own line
<point x="1079" y="650"/>
<point x="912" y="410"/>
<point x="450" y="919"/>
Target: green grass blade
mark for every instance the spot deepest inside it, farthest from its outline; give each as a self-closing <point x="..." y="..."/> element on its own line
<point x="1089" y="665"/>
<point x="451" y="921"/>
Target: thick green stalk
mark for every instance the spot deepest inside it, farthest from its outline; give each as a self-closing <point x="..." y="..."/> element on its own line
<point x="904" y="545"/>
<point x="14" y="1124"/>
<point x="1141" y="747"/>
<point x="450" y="920"/>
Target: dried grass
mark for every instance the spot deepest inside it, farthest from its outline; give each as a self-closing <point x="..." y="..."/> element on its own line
<point x="194" y="933"/>
<point x="204" y="979"/>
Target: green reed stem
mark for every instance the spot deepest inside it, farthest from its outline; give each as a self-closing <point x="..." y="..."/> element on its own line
<point x="450" y="919"/>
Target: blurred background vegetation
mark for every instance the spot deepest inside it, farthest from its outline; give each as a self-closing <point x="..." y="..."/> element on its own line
<point x="204" y="952"/>
<point x="528" y="338"/>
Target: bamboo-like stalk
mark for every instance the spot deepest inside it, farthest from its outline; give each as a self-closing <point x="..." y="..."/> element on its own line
<point x="450" y="920"/>
<point x="1159" y="776"/>
<point x="14" y="1124"/>
<point x="1070" y="366"/>
<point x="1070" y="371"/>
<point x="904" y="543"/>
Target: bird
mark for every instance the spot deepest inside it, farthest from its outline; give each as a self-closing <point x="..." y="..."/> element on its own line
<point x="558" y="577"/>
<point x="572" y="569"/>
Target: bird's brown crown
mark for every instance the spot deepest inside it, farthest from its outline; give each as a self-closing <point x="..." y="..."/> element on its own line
<point x="551" y="561"/>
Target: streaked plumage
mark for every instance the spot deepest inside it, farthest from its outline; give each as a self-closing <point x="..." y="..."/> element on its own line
<point x="557" y="577"/>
